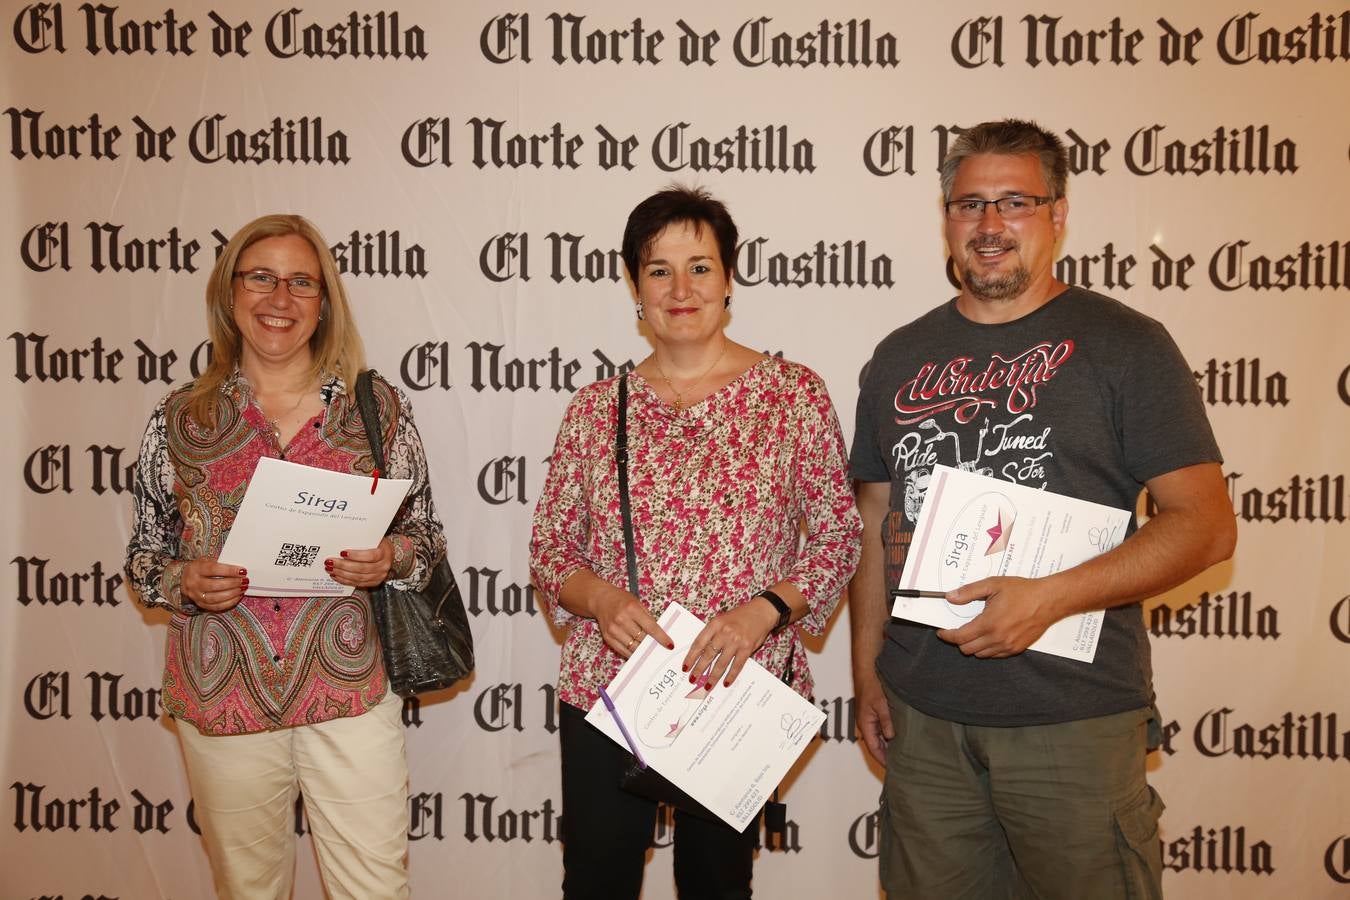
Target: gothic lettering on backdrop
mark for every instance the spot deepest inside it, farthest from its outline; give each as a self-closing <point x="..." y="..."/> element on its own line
<point x="889" y="150"/>
<point x="426" y="142"/>
<point x="501" y="480"/>
<point x="1240" y="382"/>
<point x="488" y="593"/>
<point x="48" y="694"/>
<point x="1050" y="41"/>
<point x="426" y="816"/>
<point x="488" y="818"/>
<point x="426" y="365"/>
<point x="675" y="147"/>
<point x="367" y="253"/>
<point x="213" y="138"/>
<point x="506" y="706"/>
<point x="1310" y="265"/>
<point x="575" y="40"/>
<point x="506" y="256"/>
<point x="499" y="707"/>
<point x="1303" y="498"/>
<point x="841" y="719"/>
<point x="1339" y="621"/>
<point x="845" y="263"/>
<point x="36" y="583"/>
<point x="864" y="835"/>
<point x="494" y="370"/>
<point x="49" y="469"/>
<point x="1218" y="615"/>
<point x="47" y="246"/>
<point x="41" y="809"/>
<point x="38" y="808"/>
<point x="1226" y="849"/>
<point x="1337" y="860"/>
<point x="98" y="278"/>
<point x="1294" y="735"/>
<point x="286" y="35"/>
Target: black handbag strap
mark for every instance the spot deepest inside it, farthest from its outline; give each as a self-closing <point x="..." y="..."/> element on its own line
<point x="777" y="820"/>
<point x="625" y="507"/>
<point x="370" y="417"/>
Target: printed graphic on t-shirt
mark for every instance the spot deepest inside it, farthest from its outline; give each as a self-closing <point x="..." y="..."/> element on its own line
<point x="977" y="415"/>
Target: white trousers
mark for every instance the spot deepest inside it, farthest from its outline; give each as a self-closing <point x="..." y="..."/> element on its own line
<point x="354" y="776"/>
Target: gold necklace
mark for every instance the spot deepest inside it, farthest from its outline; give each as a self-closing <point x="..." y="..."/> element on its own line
<point x="679" y="395"/>
<point x="276" y="429"/>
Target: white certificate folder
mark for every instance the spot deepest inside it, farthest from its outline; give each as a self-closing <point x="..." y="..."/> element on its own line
<point x="293" y="517"/>
<point x="972" y="527"/>
<point x="727" y="747"/>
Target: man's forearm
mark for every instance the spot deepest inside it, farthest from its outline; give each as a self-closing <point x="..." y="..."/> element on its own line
<point x="1193" y="530"/>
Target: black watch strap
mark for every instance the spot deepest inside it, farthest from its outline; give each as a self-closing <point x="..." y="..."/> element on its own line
<point x="784" y="611"/>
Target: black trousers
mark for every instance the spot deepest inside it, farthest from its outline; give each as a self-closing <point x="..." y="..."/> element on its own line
<point x="607" y="831"/>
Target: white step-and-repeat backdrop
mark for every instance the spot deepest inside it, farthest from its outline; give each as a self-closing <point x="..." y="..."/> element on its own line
<point x="473" y="164"/>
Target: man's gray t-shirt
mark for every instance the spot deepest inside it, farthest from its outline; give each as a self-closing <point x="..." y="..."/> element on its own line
<point x="1084" y="397"/>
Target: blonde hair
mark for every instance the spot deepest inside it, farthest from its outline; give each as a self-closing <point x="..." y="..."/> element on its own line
<point x="335" y="346"/>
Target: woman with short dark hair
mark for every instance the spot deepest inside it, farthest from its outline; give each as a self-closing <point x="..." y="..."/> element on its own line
<point x="733" y="456"/>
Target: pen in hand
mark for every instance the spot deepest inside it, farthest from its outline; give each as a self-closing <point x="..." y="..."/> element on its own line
<point x="911" y="593"/>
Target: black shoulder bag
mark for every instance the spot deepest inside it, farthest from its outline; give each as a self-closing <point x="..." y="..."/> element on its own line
<point x="638" y="778"/>
<point x="424" y="634"/>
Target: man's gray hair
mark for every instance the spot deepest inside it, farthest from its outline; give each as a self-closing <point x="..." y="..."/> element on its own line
<point x="1010" y="137"/>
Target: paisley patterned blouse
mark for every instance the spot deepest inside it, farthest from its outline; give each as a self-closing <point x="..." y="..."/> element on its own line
<point x="267" y="663"/>
<point x="730" y="496"/>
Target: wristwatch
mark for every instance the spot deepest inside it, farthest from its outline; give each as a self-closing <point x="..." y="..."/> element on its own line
<point x="784" y="611"/>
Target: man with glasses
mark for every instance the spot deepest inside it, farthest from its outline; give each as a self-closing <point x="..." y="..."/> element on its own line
<point x="1008" y="773"/>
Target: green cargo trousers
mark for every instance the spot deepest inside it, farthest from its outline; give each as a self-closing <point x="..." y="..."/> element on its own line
<point x="974" y="812"/>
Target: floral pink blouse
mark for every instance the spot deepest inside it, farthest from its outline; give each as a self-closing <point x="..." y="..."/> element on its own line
<point x="269" y="662"/>
<point x="730" y="496"/>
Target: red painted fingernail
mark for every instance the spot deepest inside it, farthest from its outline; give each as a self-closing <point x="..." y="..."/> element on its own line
<point x="693" y="679"/>
<point x="684" y="668"/>
<point x="243" y="571"/>
<point x="344" y="554"/>
<point x="726" y="684"/>
<point x="671" y="646"/>
<point x="328" y="564"/>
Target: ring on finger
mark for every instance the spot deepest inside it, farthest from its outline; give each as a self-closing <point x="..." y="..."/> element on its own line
<point x="632" y="642"/>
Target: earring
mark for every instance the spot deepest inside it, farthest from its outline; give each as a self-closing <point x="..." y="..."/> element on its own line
<point x="640" y="313"/>
<point x="726" y="302"/>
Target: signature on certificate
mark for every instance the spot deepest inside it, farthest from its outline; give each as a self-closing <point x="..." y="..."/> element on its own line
<point x="1104" y="537"/>
<point x="792" y="725"/>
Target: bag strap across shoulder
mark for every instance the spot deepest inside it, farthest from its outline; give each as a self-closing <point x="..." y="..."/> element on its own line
<point x="625" y="507"/>
<point x="370" y="417"/>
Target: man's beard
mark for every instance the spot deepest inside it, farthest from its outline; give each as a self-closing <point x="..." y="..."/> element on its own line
<point x="995" y="287"/>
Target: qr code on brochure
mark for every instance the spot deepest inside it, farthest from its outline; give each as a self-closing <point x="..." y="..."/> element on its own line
<point x="297" y="555"/>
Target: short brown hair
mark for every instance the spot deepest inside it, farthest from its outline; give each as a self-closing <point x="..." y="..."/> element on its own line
<point x="1010" y="137"/>
<point x="677" y="203"/>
